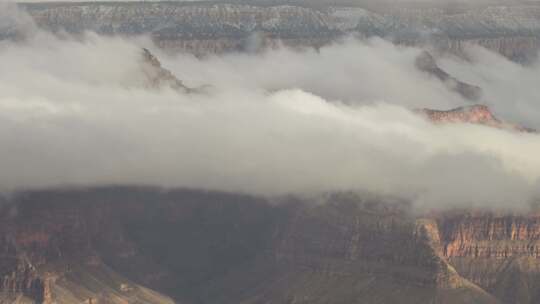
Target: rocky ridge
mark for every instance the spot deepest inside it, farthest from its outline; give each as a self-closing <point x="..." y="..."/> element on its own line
<point x="496" y="251"/>
<point x="425" y="62"/>
<point x="157" y="76"/>
<point x="475" y="114"/>
<point x="208" y="27"/>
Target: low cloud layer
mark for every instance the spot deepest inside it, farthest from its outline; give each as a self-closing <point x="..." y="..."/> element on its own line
<point x="75" y="111"/>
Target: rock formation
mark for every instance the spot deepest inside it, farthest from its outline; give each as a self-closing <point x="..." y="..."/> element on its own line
<point x="426" y="63"/>
<point x="157" y="76"/>
<point x="147" y="245"/>
<point x="47" y="256"/>
<point x="208" y="27"/>
<point x="498" y="252"/>
<point x="23" y="279"/>
<point x="103" y="245"/>
<point x="476" y="114"/>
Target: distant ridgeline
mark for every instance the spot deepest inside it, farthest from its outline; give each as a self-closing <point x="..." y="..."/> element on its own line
<point x="204" y="27"/>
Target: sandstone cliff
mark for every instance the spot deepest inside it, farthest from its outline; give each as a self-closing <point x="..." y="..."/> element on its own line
<point x="498" y="252"/>
<point x="475" y="114"/>
<point x="102" y="245"/>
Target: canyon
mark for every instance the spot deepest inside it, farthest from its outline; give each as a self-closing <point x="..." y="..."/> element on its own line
<point x="206" y="27"/>
<point x="117" y="244"/>
<point x="150" y="245"/>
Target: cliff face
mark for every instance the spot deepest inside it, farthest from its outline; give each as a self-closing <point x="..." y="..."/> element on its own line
<point x="105" y="244"/>
<point x="426" y="62"/>
<point x="476" y="114"/>
<point x="498" y="252"/>
<point x="109" y="245"/>
<point x="19" y="277"/>
<point x="50" y="255"/>
<point x="156" y="76"/>
<point x="207" y="27"/>
<point x="351" y="251"/>
<point x="490" y="236"/>
<point x="518" y="48"/>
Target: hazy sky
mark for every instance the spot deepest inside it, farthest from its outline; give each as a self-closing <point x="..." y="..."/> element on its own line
<point x="76" y="111"/>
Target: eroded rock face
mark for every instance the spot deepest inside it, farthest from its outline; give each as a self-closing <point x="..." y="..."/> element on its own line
<point x="50" y="255"/>
<point x="490" y="236"/>
<point x="476" y="114"/>
<point x="426" y="62"/>
<point x="350" y="231"/>
<point x="157" y="76"/>
<point x="210" y="247"/>
<point x="498" y="252"/>
<point x="103" y="245"/>
<point x="519" y="48"/>
<point x="23" y="279"/>
<point x="203" y="28"/>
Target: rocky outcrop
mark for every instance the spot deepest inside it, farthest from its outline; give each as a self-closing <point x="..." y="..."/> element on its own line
<point x="487" y="235"/>
<point x="476" y="114"/>
<point x="24" y="280"/>
<point x="496" y="251"/>
<point x="48" y="255"/>
<point x="157" y="76"/>
<point x="425" y="62"/>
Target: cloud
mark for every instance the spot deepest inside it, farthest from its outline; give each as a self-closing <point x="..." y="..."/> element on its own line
<point x="14" y="21"/>
<point x="75" y="111"/>
<point x="511" y="87"/>
<point x="353" y="73"/>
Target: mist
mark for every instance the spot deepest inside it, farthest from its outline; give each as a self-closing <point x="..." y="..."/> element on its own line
<point x="75" y="111"/>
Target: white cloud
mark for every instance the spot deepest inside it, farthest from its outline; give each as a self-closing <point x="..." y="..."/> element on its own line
<point x="73" y="111"/>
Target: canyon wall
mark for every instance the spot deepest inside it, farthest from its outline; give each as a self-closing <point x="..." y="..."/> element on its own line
<point x="214" y="27"/>
<point x="108" y="245"/>
<point x="145" y="245"/>
<point x="498" y="252"/>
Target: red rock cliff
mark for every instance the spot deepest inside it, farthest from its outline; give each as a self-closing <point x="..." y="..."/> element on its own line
<point x="476" y="114"/>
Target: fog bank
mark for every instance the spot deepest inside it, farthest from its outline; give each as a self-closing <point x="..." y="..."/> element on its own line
<point x="76" y="111"/>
